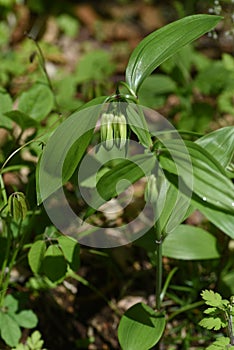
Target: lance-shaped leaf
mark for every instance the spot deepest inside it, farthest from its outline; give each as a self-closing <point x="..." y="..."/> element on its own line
<point x="138" y="124"/>
<point x="224" y="221"/>
<point x="65" y="149"/>
<point x="190" y="243"/>
<point x="172" y="206"/>
<point x="219" y="143"/>
<point x="128" y="170"/>
<point x="163" y="43"/>
<point x="210" y="182"/>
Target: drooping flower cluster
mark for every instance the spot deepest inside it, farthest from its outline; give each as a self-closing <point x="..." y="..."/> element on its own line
<point x="113" y="130"/>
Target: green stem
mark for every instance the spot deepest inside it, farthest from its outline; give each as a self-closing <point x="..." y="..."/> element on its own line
<point x="158" y="289"/>
<point x="167" y="282"/>
<point x="5" y="279"/>
<point x="123" y="83"/>
<point x="185" y="308"/>
<point x="3" y="269"/>
<point x="43" y="66"/>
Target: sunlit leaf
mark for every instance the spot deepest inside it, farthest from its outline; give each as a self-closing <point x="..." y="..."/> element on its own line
<point x="207" y="178"/>
<point x="71" y="251"/>
<point x="37" y="102"/>
<point x="129" y="170"/>
<point x="163" y="43"/>
<point x="190" y="243"/>
<point x="5" y="106"/>
<point x="140" y="328"/>
<point x="10" y="331"/>
<point x="36" y="255"/>
<point x="138" y="124"/>
<point x="65" y="149"/>
<point x="212" y="298"/>
<point x="224" y="221"/>
<point x="219" y="143"/>
<point x="26" y="319"/>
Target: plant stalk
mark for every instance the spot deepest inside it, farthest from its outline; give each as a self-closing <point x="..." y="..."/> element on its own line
<point x="158" y="289"/>
<point x="5" y="278"/>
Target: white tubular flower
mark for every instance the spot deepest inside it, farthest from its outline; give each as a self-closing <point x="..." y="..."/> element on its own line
<point x="122" y="130"/>
<point x="104" y="127"/>
<point x="109" y="141"/>
<point x="151" y="191"/>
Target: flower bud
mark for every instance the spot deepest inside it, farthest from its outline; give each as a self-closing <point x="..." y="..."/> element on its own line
<point x="17" y="206"/>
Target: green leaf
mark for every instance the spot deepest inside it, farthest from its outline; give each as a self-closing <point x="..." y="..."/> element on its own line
<point x="26" y="319"/>
<point x="91" y="181"/>
<point x="211" y="298"/>
<point x="11" y="303"/>
<point x="138" y="124"/>
<point x="220" y="344"/>
<point x="5" y="106"/>
<point x="5" y="102"/>
<point x="163" y="43"/>
<point x="212" y="323"/>
<point x="207" y="178"/>
<point x="140" y="328"/>
<point x="225" y="101"/>
<point x="94" y="66"/>
<point x="21" y="347"/>
<point x="158" y="84"/>
<point x="54" y="264"/>
<point x="75" y="154"/>
<point x="212" y="79"/>
<point x="130" y="170"/>
<point x="220" y="144"/>
<point x="36" y="255"/>
<point x="224" y="221"/>
<point x="154" y="90"/>
<point x="66" y="89"/>
<point x="210" y="310"/>
<point x="68" y="24"/>
<point x="37" y="102"/>
<point x="35" y="341"/>
<point x="22" y="119"/>
<point x="57" y="163"/>
<point x="10" y="331"/>
<point x="171" y="205"/>
<point x="6" y="123"/>
<point x="71" y="251"/>
<point x="190" y="243"/>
